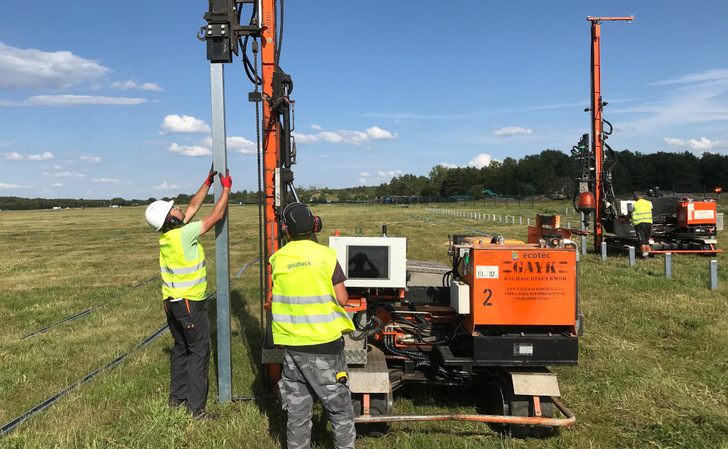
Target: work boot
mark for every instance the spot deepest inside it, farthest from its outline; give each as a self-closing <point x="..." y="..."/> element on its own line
<point x="202" y="415"/>
<point x="177" y="403"/>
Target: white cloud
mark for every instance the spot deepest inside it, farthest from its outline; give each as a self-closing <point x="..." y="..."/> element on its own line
<point x="40" y="157"/>
<point x="129" y="85"/>
<point x="58" y="184"/>
<point x="165" y="186"/>
<point x="204" y="148"/>
<point x="704" y="144"/>
<point x="709" y="75"/>
<point x="174" y="124"/>
<point x="348" y="137"/>
<point x="674" y="142"/>
<point x="192" y="151"/>
<point x="390" y="174"/>
<point x="14" y="156"/>
<point x="317" y="127"/>
<point x="512" y="131"/>
<point x="240" y="145"/>
<point x="480" y="161"/>
<point x="693" y="98"/>
<point x="87" y="158"/>
<point x="66" y="174"/>
<point x="106" y="180"/>
<point x="36" y="69"/>
<point x="378" y="133"/>
<point x="446" y="165"/>
<point x="74" y="100"/>
<point x="382" y="176"/>
<point x="9" y="186"/>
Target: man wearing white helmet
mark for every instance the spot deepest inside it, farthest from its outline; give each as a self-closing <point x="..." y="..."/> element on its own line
<point x="184" y="290"/>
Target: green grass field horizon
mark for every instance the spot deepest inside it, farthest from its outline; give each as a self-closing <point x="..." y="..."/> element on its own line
<point x="653" y="369"/>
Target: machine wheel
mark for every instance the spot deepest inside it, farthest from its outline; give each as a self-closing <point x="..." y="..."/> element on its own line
<point x="523" y="406"/>
<point x="379" y="404"/>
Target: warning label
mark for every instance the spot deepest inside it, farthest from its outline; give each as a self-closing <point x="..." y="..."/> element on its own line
<point x="486" y="272"/>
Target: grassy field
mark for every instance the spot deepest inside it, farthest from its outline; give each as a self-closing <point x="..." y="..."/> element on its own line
<point x="653" y="368"/>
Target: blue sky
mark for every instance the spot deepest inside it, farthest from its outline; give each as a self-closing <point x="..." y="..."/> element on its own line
<point x="112" y="99"/>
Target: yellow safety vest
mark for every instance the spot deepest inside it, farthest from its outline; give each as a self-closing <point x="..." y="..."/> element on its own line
<point x="181" y="278"/>
<point x="642" y="212"/>
<point x="304" y="307"/>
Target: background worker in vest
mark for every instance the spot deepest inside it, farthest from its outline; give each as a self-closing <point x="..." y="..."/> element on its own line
<point x="308" y="320"/>
<point x="641" y="216"/>
<point x="184" y="291"/>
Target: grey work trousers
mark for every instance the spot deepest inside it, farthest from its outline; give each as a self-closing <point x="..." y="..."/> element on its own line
<point x="307" y="376"/>
<point x="190" y="358"/>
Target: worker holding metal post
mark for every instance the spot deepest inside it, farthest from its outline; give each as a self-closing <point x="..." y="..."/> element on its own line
<point x="184" y="291"/>
<point x="641" y="216"/>
<point x="308" y="321"/>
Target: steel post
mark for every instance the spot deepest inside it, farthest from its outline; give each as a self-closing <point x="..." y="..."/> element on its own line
<point x="222" y="244"/>
<point x="714" y="275"/>
<point x="668" y="265"/>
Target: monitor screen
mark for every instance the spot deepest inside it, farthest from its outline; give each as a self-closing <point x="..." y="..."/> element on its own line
<point x="372" y="262"/>
<point x="368" y="262"/>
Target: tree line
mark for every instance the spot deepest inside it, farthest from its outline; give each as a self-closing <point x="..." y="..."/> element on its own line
<point x="552" y="172"/>
<point x="548" y="173"/>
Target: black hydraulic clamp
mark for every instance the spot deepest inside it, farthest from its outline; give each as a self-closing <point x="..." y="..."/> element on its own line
<point x="223" y="29"/>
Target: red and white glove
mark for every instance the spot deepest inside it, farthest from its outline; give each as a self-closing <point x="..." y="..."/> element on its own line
<point x="226" y="181"/>
<point x="210" y="178"/>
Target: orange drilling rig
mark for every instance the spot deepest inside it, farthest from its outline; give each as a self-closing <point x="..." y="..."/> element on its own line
<point x="494" y="319"/>
<point x="680" y="224"/>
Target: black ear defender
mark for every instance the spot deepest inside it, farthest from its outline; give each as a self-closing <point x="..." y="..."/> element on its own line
<point x="317" y="225"/>
<point x="173" y="222"/>
<point x="298" y="220"/>
<point x="283" y="230"/>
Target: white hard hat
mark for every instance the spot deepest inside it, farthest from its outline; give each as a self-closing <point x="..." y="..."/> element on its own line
<point x="157" y="212"/>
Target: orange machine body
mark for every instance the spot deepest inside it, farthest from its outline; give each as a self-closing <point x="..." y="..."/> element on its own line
<point x="514" y="285"/>
<point x="690" y="213"/>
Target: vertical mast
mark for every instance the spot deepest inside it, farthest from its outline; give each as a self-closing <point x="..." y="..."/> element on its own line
<point x="597" y="135"/>
<point x="271" y="140"/>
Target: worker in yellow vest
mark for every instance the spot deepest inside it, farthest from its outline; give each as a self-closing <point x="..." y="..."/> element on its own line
<point x="308" y="321"/>
<point x="184" y="293"/>
<point x="641" y="216"/>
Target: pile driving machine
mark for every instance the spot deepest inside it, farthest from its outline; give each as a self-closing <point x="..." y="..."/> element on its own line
<point x="496" y="317"/>
<point x="680" y="224"/>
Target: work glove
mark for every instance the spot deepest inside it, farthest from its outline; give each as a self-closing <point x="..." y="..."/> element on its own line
<point x="210" y="178"/>
<point x="226" y="181"/>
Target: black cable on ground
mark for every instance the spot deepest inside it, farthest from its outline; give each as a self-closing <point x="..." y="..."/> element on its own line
<point x="10" y="426"/>
<point x="85" y="312"/>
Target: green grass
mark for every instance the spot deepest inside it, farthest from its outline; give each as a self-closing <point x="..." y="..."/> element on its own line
<point x="653" y="369"/>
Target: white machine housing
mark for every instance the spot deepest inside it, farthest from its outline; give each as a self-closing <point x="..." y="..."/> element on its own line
<point x="372" y="262"/>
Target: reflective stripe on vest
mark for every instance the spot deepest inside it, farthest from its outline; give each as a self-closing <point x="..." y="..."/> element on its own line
<point x="642" y="212"/>
<point x="304" y="306"/>
<point x="181" y="278"/>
